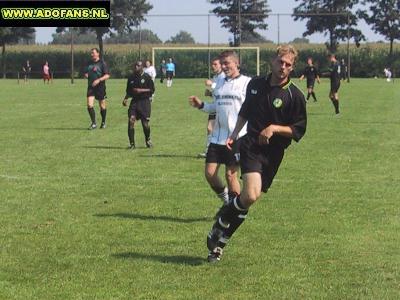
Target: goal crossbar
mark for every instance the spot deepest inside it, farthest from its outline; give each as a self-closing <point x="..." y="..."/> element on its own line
<point x="209" y="49"/>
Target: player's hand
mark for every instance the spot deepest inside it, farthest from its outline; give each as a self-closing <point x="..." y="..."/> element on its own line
<point x="96" y="82"/>
<point x="229" y="143"/>
<point x="125" y="102"/>
<point x="209" y="83"/>
<point x="265" y="135"/>
<point x="195" y="101"/>
<point x="207" y="93"/>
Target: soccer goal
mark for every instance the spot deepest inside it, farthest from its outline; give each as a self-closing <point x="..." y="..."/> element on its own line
<point x="195" y="61"/>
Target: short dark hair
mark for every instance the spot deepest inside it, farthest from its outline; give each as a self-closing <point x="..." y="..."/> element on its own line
<point x="95" y="49"/>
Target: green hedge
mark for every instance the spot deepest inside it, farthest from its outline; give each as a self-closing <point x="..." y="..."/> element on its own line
<point x="366" y="61"/>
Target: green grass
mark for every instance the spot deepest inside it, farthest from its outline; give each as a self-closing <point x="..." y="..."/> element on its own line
<point x="83" y="218"/>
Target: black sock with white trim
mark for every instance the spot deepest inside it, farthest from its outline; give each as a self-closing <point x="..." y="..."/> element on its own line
<point x="231" y="219"/>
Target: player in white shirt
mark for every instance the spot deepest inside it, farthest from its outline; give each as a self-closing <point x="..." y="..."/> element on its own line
<point x="388" y="74"/>
<point x="211" y="84"/>
<point x="149" y="69"/>
<point x="229" y="95"/>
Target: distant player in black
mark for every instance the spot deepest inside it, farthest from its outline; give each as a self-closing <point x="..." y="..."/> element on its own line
<point x="335" y="76"/>
<point x="26" y="71"/>
<point x="140" y="87"/>
<point x="275" y="112"/>
<point x="310" y="73"/>
<point x="97" y="73"/>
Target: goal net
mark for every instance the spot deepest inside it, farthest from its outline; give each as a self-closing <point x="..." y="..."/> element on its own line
<point x="195" y="62"/>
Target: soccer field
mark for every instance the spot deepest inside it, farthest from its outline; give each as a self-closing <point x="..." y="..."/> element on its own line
<point x="82" y="217"/>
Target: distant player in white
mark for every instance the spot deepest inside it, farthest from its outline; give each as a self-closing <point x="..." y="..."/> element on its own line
<point x="229" y="95"/>
<point x="211" y="84"/>
<point x="149" y="69"/>
<point x="388" y="74"/>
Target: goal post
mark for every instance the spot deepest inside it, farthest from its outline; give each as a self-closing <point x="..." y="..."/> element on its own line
<point x="209" y="49"/>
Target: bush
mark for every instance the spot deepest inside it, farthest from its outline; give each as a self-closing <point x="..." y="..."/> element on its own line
<point x="366" y="61"/>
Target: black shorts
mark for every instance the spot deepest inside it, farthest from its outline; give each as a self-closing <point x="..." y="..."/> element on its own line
<point x="170" y="74"/>
<point x="211" y="117"/>
<point x="99" y="92"/>
<point x="261" y="159"/>
<point x="335" y="87"/>
<point x="140" y="109"/>
<point x="220" y="154"/>
<point x="310" y="83"/>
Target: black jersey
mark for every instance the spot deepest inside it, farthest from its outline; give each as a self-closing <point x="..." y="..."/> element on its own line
<point x="310" y="72"/>
<point x="96" y="70"/>
<point x="281" y="105"/>
<point x="335" y="71"/>
<point x="141" y="81"/>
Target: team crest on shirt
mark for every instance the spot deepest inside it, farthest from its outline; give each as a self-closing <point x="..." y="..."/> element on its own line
<point x="277" y="103"/>
<point x="253" y="92"/>
<point x="142" y="81"/>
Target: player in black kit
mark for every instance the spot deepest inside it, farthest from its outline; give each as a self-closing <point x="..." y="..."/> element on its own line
<point x="275" y="112"/>
<point x="140" y="87"/>
<point x="335" y="75"/>
<point x="310" y="73"/>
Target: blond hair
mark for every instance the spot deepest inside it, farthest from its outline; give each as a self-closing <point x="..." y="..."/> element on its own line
<point x="287" y="49"/>
<point x="229" y="53"/>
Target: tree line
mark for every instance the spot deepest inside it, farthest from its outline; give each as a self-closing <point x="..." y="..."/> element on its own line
<point x="337" y="19"/>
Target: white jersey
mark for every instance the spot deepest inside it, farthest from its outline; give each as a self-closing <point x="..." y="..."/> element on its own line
<point x="229" y="95"/>
<point x="387" y="72"/>
<point x="151" y="71"/>
<point x="215" y="79"/>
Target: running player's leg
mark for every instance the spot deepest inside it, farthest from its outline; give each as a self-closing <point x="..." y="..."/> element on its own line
<point x="92" y="113"/>
<point x="215" y="182"/>
<point x="333" y="95"/>
<point x="144" y="112"/>
<point x="131" y="131"/>
<point x="146" y="131"/>
<point x="309" y="90"/>
<point x="132" y="117"/>
<point x="103" y="112"/>
<point x="313" y="95"/>
<point x="231" y="175"/>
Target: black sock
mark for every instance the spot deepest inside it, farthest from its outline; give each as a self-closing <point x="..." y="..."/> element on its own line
<point x="131" y="134"/>
<point x="92" y="114"/>
<point x="336" y="105"/>
<point x="234" y="215"/>
<point x="232" y="211"/>
<point x="313" y="95"/>
<point x="103" y="113"/>
<point x="228" y="232"/>
<point x="308" y="96"/>
<point x="146" y="130"/>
